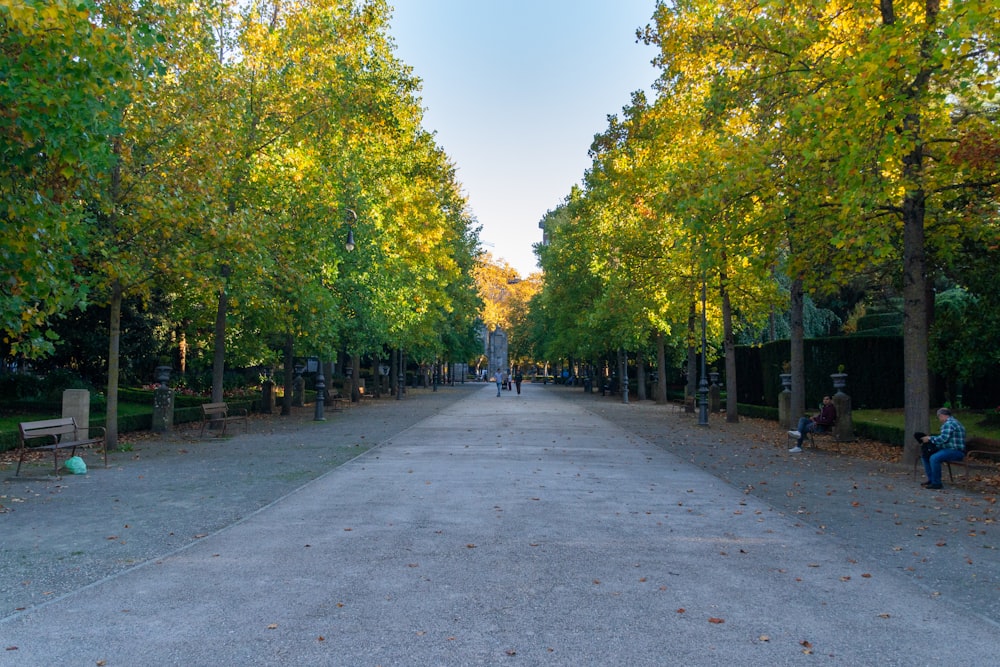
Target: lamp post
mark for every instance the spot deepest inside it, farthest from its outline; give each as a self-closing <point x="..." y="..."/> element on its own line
<point x="320" y="394"/>
<point x="624" y="374"/>
<point x="402" y="374"/>
<point x="703" y="383"/>
<point x="350" y="218"/>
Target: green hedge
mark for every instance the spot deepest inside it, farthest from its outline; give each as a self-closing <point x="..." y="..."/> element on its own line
<point x="138" y="422"/>
<point x="880" y="320"/>
<point x="8" y="440"/>
<point x="757" y="411"/>
<point x="892" y="435"/>
<point x="874" y="367"/>
<point x="145" y="397"/>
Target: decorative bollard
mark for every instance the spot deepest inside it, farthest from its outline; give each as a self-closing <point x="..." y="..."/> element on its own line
<point x="785" y="403"/>
<point x="843" y="430"/>
<point x="320" y="395"/>
<point x="163" y="409"/>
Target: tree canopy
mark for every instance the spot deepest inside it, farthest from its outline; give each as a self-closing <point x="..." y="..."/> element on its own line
<point x="216" y="154"/>
<point x="819" y="141"/>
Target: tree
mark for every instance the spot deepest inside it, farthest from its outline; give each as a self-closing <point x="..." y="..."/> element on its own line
<point x="851" y="99"/>
<point x="59" y="105"/>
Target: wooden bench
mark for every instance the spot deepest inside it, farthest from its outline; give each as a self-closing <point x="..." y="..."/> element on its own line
<point x="220" y="412"/>
<point x="337" y="402"/>
<point x="978" y="456"/>
<point x="57" y="434"/>
<point x="689" y="405"/>
<point x="820" y="432"/>
<point x="975" y="459"/>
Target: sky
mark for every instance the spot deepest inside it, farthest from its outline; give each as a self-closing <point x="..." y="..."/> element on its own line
<point x="515" y="92"/>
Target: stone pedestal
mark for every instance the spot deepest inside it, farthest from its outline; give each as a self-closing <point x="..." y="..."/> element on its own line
<point x="298" y="391"/>
<point x="843" y="430"/>
<point x="714" y="398"/>
<point x="76" y="404"/>
<point x="163" y="409"/>
<point x="785" y="410"/>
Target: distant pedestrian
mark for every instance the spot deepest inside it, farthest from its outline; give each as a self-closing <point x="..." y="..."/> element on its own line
<point x="949" y="445"/>
<point x="499" y="378"/>
<point x="518" y="378"/>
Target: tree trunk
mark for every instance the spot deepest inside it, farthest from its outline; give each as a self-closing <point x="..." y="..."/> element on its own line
<point x="114" y="343"/>
<point x="623" y="374"/>
<point x="393" y="371"/>
<point x="661" y="369"/>
<point x="692" y="360"/>
<point x="798" y="404"/>
<point x="289" y="378"/>
<point x="355" y="378"/>
<point x="916" y="312"/>
<point x="729" y="344"/>
<point x="219" y="358"/>
<point x="182" y="350"/>
<point x="640" y="377"/>
<point x="114" y="324"/>
<point x="376" y="388"/>
<point x="915" y="329"/>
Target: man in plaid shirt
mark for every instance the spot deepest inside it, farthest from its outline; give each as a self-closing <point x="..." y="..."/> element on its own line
<point x="950" y="445"/>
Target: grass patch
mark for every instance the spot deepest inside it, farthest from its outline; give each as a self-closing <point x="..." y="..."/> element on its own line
<point x="9" y="422"/>
<point x="894" y="419"/>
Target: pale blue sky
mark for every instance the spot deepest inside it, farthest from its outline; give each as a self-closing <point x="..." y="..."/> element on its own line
<point x="516" y="91"/>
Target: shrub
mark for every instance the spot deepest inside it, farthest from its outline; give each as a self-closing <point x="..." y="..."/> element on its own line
<point x="19" y="386"/>
<point x="57" y="381"/>
<point x="881" y="432"/>
<point x="757" y="411"/>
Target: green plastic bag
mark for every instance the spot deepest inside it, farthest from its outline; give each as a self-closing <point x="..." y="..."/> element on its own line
<point x="76" y="465"/>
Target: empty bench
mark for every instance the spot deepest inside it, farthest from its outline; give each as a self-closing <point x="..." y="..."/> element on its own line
<point x="54" y="435"/>
<point x="689" y="405"/>
<point x="335" y="402"/>
<point x="221" y="412"/>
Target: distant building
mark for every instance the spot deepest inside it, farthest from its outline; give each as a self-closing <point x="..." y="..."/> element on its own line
<point x="495" y="348"/>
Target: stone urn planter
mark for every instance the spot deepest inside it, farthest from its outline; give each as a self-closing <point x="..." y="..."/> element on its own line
<point x="162" y="374"/>
<point x="839" y="380"/>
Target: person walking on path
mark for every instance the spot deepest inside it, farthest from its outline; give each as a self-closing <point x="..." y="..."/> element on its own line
<point x="499" y="378"/>
<point x="825" y="420"/>
<point x="518" y="379"/>
<point x="949" y="445"/>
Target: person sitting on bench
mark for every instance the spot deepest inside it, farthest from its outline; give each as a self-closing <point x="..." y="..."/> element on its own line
<point x="949" y="445"/>
<point x="824" y="421"/>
